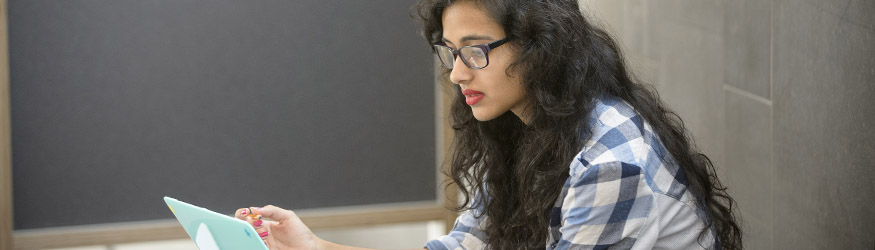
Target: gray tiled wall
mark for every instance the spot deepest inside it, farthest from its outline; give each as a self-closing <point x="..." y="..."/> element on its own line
<point x="781" y="93"/>
<point x="747" y="169"/>
<point x="747" y="32"/>
<point x="823" y="72"/>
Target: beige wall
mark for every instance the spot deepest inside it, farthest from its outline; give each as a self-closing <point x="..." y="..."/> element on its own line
<point x="780" y="94"/>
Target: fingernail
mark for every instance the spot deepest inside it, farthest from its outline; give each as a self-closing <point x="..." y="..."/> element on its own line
<point x="257" y="223"/>
<point x="243" y="212"/>
<point x="263" y="234"/>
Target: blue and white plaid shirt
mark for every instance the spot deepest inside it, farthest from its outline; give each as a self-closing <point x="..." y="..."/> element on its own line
<point x="624" y="191"/>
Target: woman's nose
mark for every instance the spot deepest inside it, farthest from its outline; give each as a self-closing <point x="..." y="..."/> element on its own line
<point x="460" y="72"/>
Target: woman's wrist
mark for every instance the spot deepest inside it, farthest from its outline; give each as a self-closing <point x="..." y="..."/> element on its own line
<point x="327" y="245"/>
<point x="322" y="244"/>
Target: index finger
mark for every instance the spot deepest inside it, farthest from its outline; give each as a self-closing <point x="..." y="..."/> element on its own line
<point x="274" y="213"/>
<point x="242" y="213"/>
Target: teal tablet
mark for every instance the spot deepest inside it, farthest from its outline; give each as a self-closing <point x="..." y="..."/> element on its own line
<point x="211" y="230"/>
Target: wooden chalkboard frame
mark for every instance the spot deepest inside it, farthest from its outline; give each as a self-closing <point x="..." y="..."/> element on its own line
<point x="169" y="229"/>
<point x="5" y="141"/>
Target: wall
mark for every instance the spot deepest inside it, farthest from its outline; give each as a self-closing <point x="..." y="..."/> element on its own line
<point x="779" y="93"/>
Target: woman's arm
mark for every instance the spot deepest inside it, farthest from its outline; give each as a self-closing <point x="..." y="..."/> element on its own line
<point x="286" y="231"/>
<point x="333" y="246"/>
<point x="607" y="206"/>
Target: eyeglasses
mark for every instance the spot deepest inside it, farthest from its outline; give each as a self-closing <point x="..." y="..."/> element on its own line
<point x="473" y="56"/>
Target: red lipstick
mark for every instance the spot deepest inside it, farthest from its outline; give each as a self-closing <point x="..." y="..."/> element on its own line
<point x="472" y="96"/>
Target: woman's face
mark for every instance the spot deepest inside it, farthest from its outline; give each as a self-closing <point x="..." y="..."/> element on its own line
<point x="466" y="24"/>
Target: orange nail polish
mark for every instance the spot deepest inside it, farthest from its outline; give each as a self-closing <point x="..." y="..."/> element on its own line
<point x="252" y="214"/>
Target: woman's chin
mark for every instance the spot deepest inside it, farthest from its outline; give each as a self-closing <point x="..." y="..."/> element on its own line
<point x="483" y="115"/>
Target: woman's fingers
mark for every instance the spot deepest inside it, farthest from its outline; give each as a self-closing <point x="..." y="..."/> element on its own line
<point x="262" y="230"/>
<point x="278" y="228"/>
<point x="255" y="219"/>
<point x="243" y="213"/>
<point x="274" y="213"/>
<point x="240" y="214"/>
<point x="247" y="215"/>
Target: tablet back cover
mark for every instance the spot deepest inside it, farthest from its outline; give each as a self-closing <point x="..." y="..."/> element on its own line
<point x="211" y="230"/>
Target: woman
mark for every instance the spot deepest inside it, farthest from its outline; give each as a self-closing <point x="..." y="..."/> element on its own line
<point x="558" y="145"/>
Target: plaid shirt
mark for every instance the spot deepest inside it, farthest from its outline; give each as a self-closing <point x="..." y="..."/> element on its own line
<point x="624" y="191"/>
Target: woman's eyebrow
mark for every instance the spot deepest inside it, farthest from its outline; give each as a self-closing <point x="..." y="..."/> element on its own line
<point x="471" y="38"/>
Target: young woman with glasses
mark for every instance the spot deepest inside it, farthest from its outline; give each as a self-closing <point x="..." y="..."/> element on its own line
<point x="557" y="146"/>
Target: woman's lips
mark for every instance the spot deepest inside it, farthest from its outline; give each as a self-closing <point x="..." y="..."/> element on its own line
<point x="472" y="96"/>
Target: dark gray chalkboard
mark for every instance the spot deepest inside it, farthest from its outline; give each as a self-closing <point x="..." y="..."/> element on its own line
<point x="224" y="104"/>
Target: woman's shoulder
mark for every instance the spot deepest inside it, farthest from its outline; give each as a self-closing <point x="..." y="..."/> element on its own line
<point x="619" y="135"/>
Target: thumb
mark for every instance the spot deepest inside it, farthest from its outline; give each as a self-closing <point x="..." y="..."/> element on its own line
<point x="274" y="213"/>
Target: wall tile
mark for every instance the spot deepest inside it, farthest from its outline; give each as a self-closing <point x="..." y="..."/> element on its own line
<point x="705" y="15"/>
<point x="747" y="54"/>
<point x="687" y="47"/>
<point x="859" y="12"/>
<point x="747" y="170"/>
<point x="831" y="6"/>
<point x="823" y="118"/>
<point x="605" y="13"/>
<point x="690" y="77"/>
<point x="816" y="71"/>
<point x="862" y="12"/>
<point x="637" y="33"/>
<point x="757" y="234"/>
<point x="639" y="38"/>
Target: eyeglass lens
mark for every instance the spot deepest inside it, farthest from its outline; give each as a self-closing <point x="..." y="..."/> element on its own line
<point x="473" y="57"/>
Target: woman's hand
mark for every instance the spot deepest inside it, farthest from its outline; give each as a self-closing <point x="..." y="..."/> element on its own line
<point x="285" y="231"/>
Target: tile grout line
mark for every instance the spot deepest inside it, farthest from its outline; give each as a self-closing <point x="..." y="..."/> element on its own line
<point x="747" y="94"/>
<point x="772" y="120"/>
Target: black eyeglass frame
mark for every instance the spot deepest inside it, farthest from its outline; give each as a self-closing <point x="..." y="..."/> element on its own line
<point x="456" y="52"/>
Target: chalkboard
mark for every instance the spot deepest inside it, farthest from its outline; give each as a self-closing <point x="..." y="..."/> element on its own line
<point x="222" y="103"/>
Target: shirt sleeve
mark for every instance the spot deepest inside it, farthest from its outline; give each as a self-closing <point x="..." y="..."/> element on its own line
<point x="467" y="233"/>
<point x="606" y="207"/>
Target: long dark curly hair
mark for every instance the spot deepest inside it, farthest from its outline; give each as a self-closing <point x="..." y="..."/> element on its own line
<point x="565" y="63"/>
